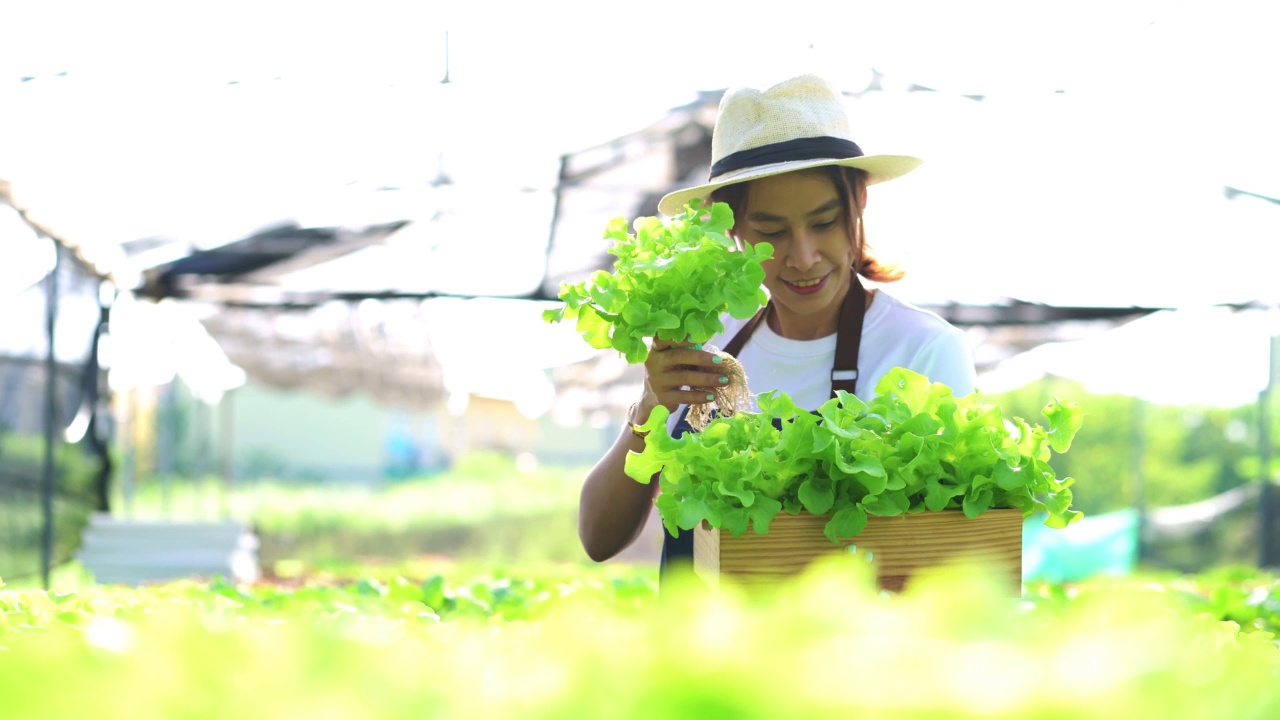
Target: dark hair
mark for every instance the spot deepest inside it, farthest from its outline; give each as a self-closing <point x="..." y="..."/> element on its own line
<point x="848" y="182"/>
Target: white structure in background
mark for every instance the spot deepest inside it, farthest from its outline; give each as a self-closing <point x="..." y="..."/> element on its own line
<point x="501" y="349"/>
<point x="134" y="552"/>
<point x="27" y="259"/>
<point x="150" y="345"/>
<point x="1214" y="356"/>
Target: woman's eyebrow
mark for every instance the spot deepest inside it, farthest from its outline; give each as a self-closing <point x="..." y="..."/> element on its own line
<point x="825" y="207"/>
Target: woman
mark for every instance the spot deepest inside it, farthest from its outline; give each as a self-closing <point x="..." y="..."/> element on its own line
<point x="783" y="158"/>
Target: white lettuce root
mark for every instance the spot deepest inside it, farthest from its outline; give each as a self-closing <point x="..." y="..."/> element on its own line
<point x="729" y="398"/>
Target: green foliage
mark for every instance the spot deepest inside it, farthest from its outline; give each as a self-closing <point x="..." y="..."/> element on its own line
<point x="914" y="447"/>
<point x="1184" y="454"/>
<point x="1237" y="594"/>
<point x="477" y="490"/>
<point x="954" y="646"/>
<point x="22" y="464"/>
<point x="21" y="516"/>
<point x="492" y="467"/>
<point x="673" y="279"/>
<point x="485" y="507"/>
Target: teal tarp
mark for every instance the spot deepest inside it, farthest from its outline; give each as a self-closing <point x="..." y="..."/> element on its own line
<point x="1094" y="545"/>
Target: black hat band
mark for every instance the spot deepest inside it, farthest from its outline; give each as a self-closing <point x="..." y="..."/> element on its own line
<point x="810" y="148"/>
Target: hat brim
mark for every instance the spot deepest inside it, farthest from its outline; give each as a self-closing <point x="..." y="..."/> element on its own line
<point x="879" y="168"/>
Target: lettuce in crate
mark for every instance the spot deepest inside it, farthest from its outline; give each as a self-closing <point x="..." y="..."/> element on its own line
<point x="914" y="447"/>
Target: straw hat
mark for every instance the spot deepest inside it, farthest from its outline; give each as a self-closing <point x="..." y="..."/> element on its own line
<point x="798" y="123"/>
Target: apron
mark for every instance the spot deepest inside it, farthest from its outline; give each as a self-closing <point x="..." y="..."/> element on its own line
<point x="844" y="376"/>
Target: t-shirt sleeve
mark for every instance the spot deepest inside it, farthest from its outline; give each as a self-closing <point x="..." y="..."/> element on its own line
<point x="946" y="359"/>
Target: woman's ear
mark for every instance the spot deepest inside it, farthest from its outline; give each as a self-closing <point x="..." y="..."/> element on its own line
<point x="861" y="194"/>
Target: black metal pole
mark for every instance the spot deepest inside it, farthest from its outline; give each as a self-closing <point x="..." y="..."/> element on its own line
<point x="226" y="450"/>
<point x="166" y="443"/>
<point x="1137" y="453"/>
<point x="51" y="419"/>
<point x="1266" y="497"/>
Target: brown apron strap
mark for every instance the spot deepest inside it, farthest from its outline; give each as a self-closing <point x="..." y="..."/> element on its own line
<point x="844" y="371"/>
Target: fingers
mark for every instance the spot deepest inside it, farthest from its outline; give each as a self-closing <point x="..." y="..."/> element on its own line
<point x="678" y="366"/>
<point x="693" y="380"/>
<point x="695" y="397"/>
<point x="682" y="375"/>
<point x="691" y="356"/>
<point x="673" y="397"/>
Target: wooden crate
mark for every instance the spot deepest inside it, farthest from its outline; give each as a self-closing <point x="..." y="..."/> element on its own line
<point x="900" y="546"/>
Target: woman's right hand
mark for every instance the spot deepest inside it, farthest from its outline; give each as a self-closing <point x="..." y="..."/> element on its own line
<point x="678" y="374"/>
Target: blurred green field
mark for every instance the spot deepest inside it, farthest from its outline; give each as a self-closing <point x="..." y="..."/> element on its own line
<point x="485" y="508"/>
<point x="440" y="639"/>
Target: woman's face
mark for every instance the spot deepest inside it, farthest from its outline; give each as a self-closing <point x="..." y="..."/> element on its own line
<point x="801" y="215"/>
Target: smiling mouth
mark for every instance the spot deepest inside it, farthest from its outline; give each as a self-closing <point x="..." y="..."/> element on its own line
<point x="807" y="287"/>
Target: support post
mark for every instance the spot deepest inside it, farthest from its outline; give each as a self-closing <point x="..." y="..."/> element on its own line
<point x="1137" y="452"/>
<point x="226" y="449"/>
<point x="1266" y="493"/>
<point x="51" y="418"/>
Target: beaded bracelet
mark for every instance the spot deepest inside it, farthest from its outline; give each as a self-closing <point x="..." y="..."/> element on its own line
<point x="638" y="433"/>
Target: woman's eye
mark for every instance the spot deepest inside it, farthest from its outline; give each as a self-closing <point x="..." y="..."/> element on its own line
<point x="826" y="225"/>
<point x="773" y="235"/>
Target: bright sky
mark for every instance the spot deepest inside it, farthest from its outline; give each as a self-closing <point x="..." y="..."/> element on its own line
<point x="143" y="130"/>
<point x="143" y="135"/>
<point x="1150" y="357"/>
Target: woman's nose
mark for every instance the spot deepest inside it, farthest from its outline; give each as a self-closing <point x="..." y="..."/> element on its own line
<point x="804" y="251"/>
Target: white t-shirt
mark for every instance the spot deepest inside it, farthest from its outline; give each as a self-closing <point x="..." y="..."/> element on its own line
<point x="895" y="333"/>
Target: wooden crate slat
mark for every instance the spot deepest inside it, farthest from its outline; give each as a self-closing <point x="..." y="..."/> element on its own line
<point x="899" y="546"/>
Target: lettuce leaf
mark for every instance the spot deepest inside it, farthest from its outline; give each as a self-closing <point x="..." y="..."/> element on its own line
<point x="914" y="447"/>
<point x="672" y="279"/>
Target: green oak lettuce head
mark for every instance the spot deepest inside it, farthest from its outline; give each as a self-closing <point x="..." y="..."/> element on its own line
<point x="672" y="279"/>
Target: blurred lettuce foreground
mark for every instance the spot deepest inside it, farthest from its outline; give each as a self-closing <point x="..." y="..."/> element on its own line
<point x="826" y="645"/>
